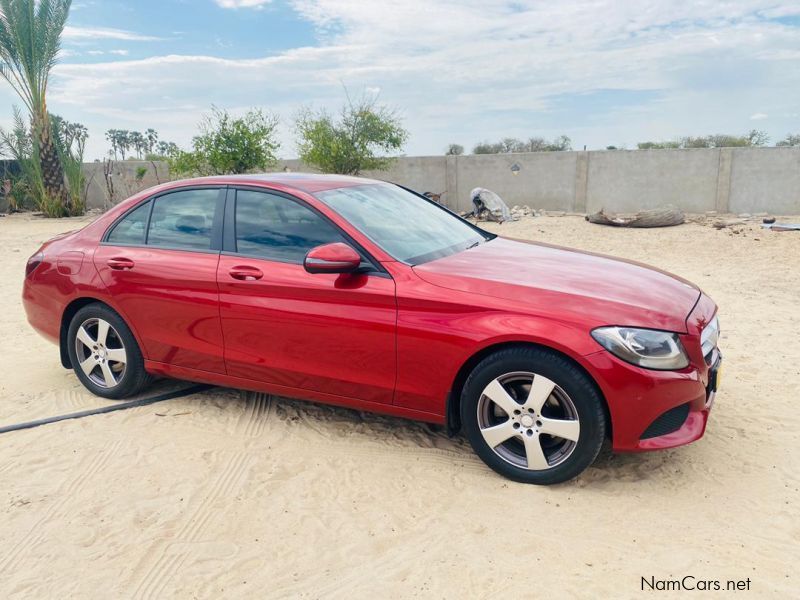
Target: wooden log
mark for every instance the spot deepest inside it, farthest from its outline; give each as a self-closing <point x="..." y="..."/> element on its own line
<point x="666" y="216"/>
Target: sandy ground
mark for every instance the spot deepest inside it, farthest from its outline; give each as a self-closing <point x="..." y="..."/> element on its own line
<point x="246" y="495"/>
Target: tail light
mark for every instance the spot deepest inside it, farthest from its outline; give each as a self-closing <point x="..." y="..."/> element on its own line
<point x="33" y="262"/>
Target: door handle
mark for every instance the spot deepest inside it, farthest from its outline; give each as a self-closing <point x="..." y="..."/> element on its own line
<point x="120" y="264"/>
<point x="245" y="273"/>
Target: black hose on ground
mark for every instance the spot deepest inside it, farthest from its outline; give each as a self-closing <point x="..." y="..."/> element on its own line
<point x="107" y="409"/>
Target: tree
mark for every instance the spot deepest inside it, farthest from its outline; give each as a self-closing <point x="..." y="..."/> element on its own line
<point x="719" y="140"/>
<point x="486" y="148"/>
<point x="534" y="144"/>
<point x="657" y="145"/>
<point x="165" y="150"/>
<point x="454" y="150"/>
<point x="229" y="145"/>
<point x="151" y="139"/>
<point x="138" y="143"/>
<point x="560" y="144"/>
<point x="120" y="140"/>
<point x="790" y="140"/>
<point x="30" y="39"/>
<point x="144" y="145"/>
<point x="70" y="140"/>
<point x="354" y="143"/>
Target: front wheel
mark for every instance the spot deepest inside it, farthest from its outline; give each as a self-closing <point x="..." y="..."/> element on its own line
<point x="533" y="416"/>
<point x="104" y="353"/>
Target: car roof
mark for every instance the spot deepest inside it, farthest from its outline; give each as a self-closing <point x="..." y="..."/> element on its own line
<point x="306" y="182"/>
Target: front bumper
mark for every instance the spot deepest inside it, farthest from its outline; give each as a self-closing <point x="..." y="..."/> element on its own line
<point x="653" y="410"/>
<point x="638" y="397"/>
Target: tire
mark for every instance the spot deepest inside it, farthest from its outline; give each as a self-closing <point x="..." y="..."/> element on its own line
<point x="545" y="437"/>
<point x="104" y="354"/>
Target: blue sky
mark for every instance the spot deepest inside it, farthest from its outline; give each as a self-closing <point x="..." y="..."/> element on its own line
<point x="600" y="71"/>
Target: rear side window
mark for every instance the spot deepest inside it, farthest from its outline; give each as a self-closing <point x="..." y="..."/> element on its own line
<point x="183" y="219"/>
<point x="130" y="230"/>
<point x="276" y="228"/>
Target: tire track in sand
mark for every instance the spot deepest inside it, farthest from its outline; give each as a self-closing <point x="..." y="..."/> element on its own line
<point x="173" y="552"/>
<point x="257" y="412"/>
<point x="65" y="493"/>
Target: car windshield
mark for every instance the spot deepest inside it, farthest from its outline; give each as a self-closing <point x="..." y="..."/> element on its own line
<point x="409" y="228"/>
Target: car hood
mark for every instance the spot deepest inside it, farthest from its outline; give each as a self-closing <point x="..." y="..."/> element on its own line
<point x="566" y="283"/>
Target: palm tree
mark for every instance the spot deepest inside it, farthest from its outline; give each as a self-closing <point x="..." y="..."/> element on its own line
<point x="152" y="139"/>
<point x="30" y="38"/>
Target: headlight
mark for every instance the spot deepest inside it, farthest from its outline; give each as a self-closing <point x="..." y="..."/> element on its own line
<point x="710" y="336"/>
<point x="646" y="348"/>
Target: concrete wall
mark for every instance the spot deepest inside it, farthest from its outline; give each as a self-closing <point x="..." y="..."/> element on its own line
<point x="697" y="180"/>
<point x="732" y="180"/>
<point x="765" y="180"/>
<point x="126" y="177"/>
<point x="627" y="181"/>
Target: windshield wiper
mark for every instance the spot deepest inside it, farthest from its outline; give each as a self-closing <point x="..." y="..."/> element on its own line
<point x="473" y="245"/>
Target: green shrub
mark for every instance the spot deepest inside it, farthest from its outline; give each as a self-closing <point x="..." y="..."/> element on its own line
<point x="352" y="144"/>
<point x="229" y="145"/>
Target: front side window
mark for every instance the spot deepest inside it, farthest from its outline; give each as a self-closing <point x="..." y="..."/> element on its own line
<point x="183" y="220"/>
<point x="276" y="228"/>
<point x="130" y="229"/>
<point x="409" y="228"/>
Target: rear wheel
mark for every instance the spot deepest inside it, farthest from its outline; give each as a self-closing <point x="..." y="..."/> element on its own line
<point x="532" y="415"/>
<point x="104" y="353"/>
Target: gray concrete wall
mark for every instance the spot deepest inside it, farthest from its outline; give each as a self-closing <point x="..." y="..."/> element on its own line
<point x="631" y="180"/>
<point x="549" y="178"/>
<point x="697" y="180"/>
<point x="765" y="180"/>
<point x="732" y="180"/>
<point x="125" y="178"/>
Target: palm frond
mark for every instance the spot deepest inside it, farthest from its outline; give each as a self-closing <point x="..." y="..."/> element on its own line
<point x="30" y="34"/>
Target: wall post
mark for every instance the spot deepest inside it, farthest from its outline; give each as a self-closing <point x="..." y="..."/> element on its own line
<point x="722" y="204"/>
<point x="581" y="181"/>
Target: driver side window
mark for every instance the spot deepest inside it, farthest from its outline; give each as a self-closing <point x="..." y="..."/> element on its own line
<point x="275" y="228"/>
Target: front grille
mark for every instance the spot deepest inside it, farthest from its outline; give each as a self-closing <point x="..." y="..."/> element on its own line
<point x="670" y="421"/>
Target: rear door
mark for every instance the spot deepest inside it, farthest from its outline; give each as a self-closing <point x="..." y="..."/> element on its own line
<point x="329" y="333"/>
<point x="159" y="262"/>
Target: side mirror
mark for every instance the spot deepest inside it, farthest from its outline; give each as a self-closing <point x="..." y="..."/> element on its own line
<point x="332" y="258"/>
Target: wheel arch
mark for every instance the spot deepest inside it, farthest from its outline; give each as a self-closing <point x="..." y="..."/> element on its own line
<point x="70" y="310"/>
<point x="453" y="403"/>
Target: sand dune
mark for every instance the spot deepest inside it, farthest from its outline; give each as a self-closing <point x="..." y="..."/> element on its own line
<point x="247" y="495"/>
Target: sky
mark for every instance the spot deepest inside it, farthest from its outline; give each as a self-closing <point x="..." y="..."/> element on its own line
<point x="603" y="72"/>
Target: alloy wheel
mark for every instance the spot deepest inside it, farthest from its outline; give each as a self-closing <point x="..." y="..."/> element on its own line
<point x="101" y="353"/>
<point x="528" y="420"/>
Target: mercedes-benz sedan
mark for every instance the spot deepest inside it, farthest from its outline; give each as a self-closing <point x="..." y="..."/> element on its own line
<point x="363" y="294"/>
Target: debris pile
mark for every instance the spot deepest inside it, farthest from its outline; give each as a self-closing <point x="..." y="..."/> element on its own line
<point x="488" y="206"/>
<point x="657" y="217"/>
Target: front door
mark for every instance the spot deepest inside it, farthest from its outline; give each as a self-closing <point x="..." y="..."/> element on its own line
<point x="159" y="263"/>
<point x="282" y="325"/>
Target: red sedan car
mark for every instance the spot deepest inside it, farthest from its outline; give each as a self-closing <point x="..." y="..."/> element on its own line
<point x="366" y="295"/>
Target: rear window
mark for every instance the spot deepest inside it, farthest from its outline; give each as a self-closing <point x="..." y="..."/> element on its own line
<point x="130" y="230"/>
<point x="183" y="219"/>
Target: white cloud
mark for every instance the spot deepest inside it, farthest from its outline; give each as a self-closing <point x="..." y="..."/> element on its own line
<point x="242" y="3"/>
<point x="466" y="70"/>
<point x="119" y="52"/>
<point x="759" y="116"/>
<point x="104" y="33"/>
